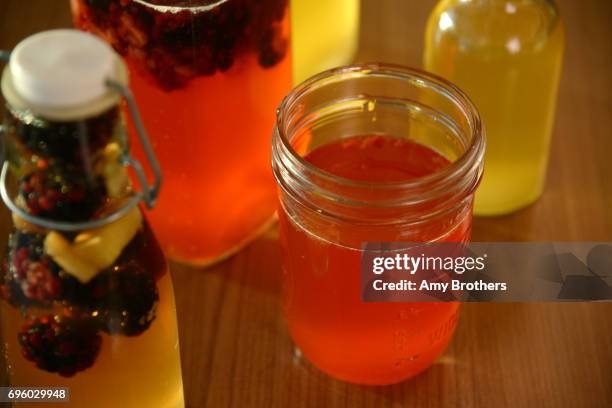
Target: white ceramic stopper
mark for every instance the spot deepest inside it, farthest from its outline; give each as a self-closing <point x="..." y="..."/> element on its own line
<point x="61" y="68"/>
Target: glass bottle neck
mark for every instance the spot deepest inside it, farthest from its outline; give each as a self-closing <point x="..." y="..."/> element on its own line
<point x="65" y="175"/>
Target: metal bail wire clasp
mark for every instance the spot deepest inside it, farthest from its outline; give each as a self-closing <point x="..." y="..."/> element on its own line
<point x="148" y="194"/>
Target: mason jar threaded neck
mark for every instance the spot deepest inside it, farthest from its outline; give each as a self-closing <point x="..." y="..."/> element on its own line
<point x="386" y="100"/>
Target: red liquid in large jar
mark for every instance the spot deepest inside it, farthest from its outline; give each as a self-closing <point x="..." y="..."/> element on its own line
<point x="207" y="85"/>
<point x="367" y="343"/>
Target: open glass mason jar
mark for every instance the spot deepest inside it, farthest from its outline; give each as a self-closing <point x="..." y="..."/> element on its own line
<point x="207" y="76"/>
<point x="86" y="300"/>
<point x="370" y="153"/>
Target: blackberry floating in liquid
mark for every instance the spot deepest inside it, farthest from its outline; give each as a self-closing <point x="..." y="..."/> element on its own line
<point x="175" y="46"/>
<point x="102" y="5"/>
<point x="63" y="345"/>
<point x="62" y="194"/>
<point x="272" y="48"/>
<point x="123" y="299"/>
<point x="72" y="143"/>
<point x="31" y="277"/>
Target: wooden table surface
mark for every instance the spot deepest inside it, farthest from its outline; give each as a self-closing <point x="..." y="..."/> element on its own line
<point x="235" y="348"/>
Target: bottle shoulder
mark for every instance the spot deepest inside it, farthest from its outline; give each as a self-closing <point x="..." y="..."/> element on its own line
<point x="496" y="24"/>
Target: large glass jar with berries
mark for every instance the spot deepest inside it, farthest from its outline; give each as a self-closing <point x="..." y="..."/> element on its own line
<point x="86" y="298"/>
<point x="208" y="76"/>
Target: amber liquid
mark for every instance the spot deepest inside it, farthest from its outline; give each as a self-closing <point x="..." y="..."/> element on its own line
<point x="212" y="139"/>
<point x="128" y="371"/>
<point x="211" y="136"/>
<point x="507" y="56"/>
<point x="366" y="343"/>
<point x="142" y="371"/>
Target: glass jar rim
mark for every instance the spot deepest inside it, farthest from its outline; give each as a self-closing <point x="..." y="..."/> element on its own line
<point x="471" y="158"/>
<point x="203" y="5"/>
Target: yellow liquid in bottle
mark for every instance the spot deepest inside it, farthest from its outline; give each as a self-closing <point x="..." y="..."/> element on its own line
<point x="324" y="34"/>
<point x="507" y="56"/>
<point x="140" y="371"/>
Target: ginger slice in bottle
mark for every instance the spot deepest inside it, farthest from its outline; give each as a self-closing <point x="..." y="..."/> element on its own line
<point x="93" y="250"/>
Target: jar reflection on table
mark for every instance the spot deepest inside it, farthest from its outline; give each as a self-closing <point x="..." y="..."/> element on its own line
<point x="373" y="164"/>
<point x="207" y="78"/>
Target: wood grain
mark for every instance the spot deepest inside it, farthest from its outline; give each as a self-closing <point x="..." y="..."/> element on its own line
<point x="235" y="348"/>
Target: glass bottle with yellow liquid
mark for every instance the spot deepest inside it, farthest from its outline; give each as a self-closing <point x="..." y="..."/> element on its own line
<point x="324" y="35"/>
<point x="86" y="298"/>
<point x="507" y="55"/>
